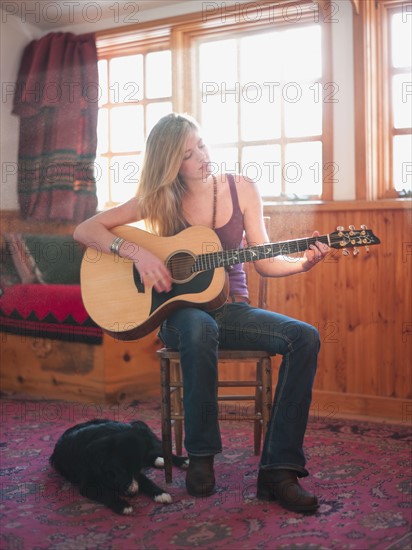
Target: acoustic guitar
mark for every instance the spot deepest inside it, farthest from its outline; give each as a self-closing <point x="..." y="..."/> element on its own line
<point x="117" y="300"/>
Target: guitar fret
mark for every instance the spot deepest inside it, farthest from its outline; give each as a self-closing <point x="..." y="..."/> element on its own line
<point x="226" y="258"/>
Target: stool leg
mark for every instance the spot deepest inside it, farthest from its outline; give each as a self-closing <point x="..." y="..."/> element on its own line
<point x="177" y="406"/>
<point x="266" y="392"/>
<point x="257" y="431"/>
<point x="166" y="417"/>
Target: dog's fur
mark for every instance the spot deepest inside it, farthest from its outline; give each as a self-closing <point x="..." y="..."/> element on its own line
<point x="105" y="459"/>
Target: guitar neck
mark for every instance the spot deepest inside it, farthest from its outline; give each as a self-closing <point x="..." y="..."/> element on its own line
<point x="226" y="258"/>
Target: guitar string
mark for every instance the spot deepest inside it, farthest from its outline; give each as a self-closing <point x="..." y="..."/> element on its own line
<point x="235" y="253"/>
<point x="281" y="245"/>
<point x="227" y="255"/>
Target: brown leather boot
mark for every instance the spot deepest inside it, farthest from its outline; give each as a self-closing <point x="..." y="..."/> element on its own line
<point x="200" y="476"/>
<point x="283" y="486"/>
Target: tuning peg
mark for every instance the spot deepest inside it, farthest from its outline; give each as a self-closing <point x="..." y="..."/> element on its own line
<point x="355" y="251"/>
<point x="345" y="252"/>
<point x="363" y="227"/>
<point x="352" y="227"/>
<point x="340" y="228"/>
<point x="367" y="249"/>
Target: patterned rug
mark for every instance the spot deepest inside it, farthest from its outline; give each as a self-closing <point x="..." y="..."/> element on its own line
<point x="359" y="470"/>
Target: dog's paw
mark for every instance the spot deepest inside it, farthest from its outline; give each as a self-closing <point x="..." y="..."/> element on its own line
<point x="184" y="465"/>
<point x="127" y="510"/>
<point x="159" y="462"/>
<point x="180" y="461"/>
<point x="164" y="498"/>
<point x="133" y="488"/>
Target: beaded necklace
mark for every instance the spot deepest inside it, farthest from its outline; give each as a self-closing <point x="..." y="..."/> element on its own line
<point x="214" y="202"/>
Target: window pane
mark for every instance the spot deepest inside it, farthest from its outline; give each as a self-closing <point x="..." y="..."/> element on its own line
<point x="402" y="100"/>
<point x="402" y="163"/>
<point x="302" y="171"/>
<point x="303" y="110"/>
<point x="224" y="159"/>
<point x="154" y="113"/>
<point x="260" y="117"/>
<point x="102" y="181"/>
<point x="159" y="74"/>
<point x="102" y="131"/>
<point x="302" y="54"/>
<point x="263" y="165"/>
<point x="218" y="62"/>
<point x="102" y="70"/>
<point x="401" y="34"/>
<point x="219" y="119"/>
<point x="126" y="79"/>
<point x="255" y="64"/>
<point x="126" y="128"/>
<point x="124" y="177"/>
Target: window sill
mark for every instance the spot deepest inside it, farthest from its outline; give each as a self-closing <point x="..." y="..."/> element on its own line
<point x="336" y="206"/>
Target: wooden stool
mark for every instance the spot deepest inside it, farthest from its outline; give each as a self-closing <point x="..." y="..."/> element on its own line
<point x="172" y="397"/>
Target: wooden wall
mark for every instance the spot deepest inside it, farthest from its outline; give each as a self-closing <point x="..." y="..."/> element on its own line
<point x="362" y="306"/>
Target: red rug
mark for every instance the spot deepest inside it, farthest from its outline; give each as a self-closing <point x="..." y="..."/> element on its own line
<point x="360" y="471"/>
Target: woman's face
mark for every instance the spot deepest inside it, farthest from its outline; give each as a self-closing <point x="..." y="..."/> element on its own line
<point x="196" y="160"/>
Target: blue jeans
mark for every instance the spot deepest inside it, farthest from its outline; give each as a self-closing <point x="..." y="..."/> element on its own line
<point x="198" y="334"/>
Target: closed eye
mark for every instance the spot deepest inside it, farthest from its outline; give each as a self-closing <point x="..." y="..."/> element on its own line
<point x="188" y="154"/>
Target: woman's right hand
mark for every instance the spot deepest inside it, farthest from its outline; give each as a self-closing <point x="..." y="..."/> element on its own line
<point x="152" y="270"/>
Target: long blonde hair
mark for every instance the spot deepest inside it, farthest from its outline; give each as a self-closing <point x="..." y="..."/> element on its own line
<point x="160" y="188"/>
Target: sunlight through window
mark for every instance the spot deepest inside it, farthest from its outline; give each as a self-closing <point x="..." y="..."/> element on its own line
<point x="135" y="93"/>
<point x="400" y="40"/>
<point x="265" y="96"/>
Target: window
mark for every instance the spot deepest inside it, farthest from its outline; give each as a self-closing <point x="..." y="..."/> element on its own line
<point x="266" y="116"/>
<point x="136" y="90"/>
<point x="262" y="113"/>
<point x="383" y="42"/>
<point x="400" y="105"/>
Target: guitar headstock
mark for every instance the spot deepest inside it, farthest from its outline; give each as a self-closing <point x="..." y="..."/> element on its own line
<point x="352" y="238"/>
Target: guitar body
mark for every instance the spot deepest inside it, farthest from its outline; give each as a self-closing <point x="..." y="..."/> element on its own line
<point x="116" y="299"/>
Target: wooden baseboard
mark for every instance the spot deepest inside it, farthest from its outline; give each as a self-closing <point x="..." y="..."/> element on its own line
<point x="366" y="407"/>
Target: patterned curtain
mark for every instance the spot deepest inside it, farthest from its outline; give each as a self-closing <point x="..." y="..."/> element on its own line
<point x="57" y="101"/>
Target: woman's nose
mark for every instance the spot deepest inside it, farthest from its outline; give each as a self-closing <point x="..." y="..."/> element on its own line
<point x="201" y="154"/>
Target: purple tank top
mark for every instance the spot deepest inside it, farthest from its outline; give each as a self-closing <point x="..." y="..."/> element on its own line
<point x="231" y="236"/>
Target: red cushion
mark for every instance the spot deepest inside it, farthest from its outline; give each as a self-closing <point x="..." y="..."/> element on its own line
<point x="59" y="300"/>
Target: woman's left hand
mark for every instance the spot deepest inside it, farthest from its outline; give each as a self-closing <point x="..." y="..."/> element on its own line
<point x="315" y="253"/>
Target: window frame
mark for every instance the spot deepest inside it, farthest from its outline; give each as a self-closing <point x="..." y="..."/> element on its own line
<point x="177" y="34"/>
<point x="373" y="104"/>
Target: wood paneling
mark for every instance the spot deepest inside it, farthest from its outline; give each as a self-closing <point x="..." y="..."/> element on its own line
<point x="113" y="372"/>
<point x="362" y="307"/>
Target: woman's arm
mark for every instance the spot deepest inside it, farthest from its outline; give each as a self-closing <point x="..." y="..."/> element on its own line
<point x="96" y="232"/>
<point x="279" y="266"/>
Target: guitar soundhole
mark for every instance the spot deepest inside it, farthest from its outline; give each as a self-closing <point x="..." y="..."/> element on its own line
<point x="180" y="266"/>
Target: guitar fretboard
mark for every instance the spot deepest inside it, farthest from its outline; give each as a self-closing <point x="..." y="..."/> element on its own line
<point x="226" y="258"/>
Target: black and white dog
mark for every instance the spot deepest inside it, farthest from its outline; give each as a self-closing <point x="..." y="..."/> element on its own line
<point x="106" y="458"/>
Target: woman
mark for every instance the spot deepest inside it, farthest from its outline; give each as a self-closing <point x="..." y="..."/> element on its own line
<point x="177" y="189"/>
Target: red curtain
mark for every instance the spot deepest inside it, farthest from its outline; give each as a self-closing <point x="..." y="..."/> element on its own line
<point x="57" y="100"/>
